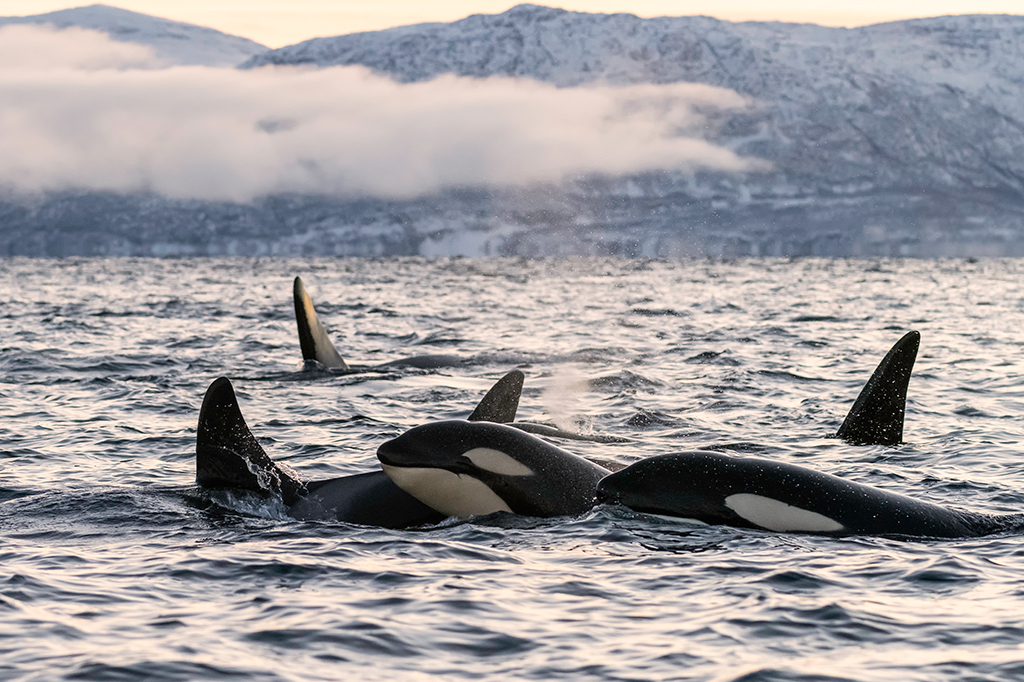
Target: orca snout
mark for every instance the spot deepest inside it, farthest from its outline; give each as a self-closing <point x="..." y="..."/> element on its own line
<point x="434" y="444"/>
<point x="606" y="493"/>
<point x="464" y="447"/>
<point x="390" y="451"/>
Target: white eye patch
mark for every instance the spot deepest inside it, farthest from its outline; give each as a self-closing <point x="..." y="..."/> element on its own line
<point x="779" y="516"/>
<point x="449" y="493"/>
<point x="497" y="462"/>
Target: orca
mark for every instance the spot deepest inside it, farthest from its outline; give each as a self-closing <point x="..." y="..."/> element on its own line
<point x="746" y="492"/>
<point x="463" y="468"/>
<point x="229" y="456"/>
<point x="318" y="353"/>
<point x="876" y="417"/>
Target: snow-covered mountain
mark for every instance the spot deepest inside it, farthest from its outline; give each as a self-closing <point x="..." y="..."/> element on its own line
<point x="918" y="122"/>
<point x="900" y="138"/>
<point x="936" y="102"/>
<point x="173" y="41"/>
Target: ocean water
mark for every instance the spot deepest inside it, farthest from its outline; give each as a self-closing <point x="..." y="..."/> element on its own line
<point x="115" y="566"/>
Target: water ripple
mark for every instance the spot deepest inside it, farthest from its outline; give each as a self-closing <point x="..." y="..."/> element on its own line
<point x="114" y="566"/>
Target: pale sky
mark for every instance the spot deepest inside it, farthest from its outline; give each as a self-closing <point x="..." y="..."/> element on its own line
<point x="282" y="22"/>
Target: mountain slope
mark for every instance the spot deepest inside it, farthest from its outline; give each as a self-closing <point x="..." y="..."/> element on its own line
<point x="173" y="41"/>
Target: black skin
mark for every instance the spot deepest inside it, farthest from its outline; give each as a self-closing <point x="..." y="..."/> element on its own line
<point x="876" y="417"/>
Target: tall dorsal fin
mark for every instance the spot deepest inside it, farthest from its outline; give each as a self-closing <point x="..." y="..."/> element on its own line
<point x="876" y="418"/>
<point x="229" y="456"/>
<point x="313" y="338"/>
<point x="502" y="401"/>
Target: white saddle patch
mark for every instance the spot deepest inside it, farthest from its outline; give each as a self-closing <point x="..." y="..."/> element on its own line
<point x="497" y="462"/>
<point x="779" y="516"/>
<point x="446" y="492"/>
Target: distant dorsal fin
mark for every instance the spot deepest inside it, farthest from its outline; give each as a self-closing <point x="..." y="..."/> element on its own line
<point x="876" y="418"/>
<point x="313" y="338"/>
<point x="229" y="456"/>
<point x="502" y="401"/>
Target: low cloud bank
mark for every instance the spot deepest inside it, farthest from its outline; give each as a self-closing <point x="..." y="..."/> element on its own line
<point x="99" y="115"/>
<point x="36" y="48"/>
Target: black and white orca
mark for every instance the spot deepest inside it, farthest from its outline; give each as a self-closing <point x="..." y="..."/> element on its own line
<point x="318" y="352"/>
<point x="756" y="493"/>
<point x="229" y="456"/>
<point x="463" y="468"/>
<point x="876" y="417"/>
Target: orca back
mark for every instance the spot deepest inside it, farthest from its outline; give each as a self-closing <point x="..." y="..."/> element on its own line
<point x="370" y="499"/>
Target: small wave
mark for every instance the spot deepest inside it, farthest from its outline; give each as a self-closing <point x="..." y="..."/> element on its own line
<point x="623" y="381"/>
<point x="645" y="419"/>
<point x="817" y="318"/>
<point x="445" y="337"/>
<point x="783" y="374"/>
<point x="711" y="357"/>
<point x="969" y="411"/>
<point x="658" y="312"/>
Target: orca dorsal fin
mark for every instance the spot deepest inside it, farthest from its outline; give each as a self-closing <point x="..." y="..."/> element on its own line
<point x="229" y="456"/>
<point x="313" y="338"/>
<point x="876" y="418"/>
<point x="502" y="401"/>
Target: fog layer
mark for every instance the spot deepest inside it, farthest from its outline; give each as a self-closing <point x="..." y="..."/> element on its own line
<point x="79" y="111"/>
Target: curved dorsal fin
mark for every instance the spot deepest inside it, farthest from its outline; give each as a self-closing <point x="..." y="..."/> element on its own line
<point x="313" y="338"/>
<point x="876" y="418"/>
<point x="502" y="401"/>
<point x="229" y="456"/>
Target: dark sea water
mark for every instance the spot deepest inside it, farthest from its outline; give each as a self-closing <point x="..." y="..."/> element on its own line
<point x="114" y="566"/>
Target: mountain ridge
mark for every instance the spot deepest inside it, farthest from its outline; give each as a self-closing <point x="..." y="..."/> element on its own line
<point x="176" y="42"/>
